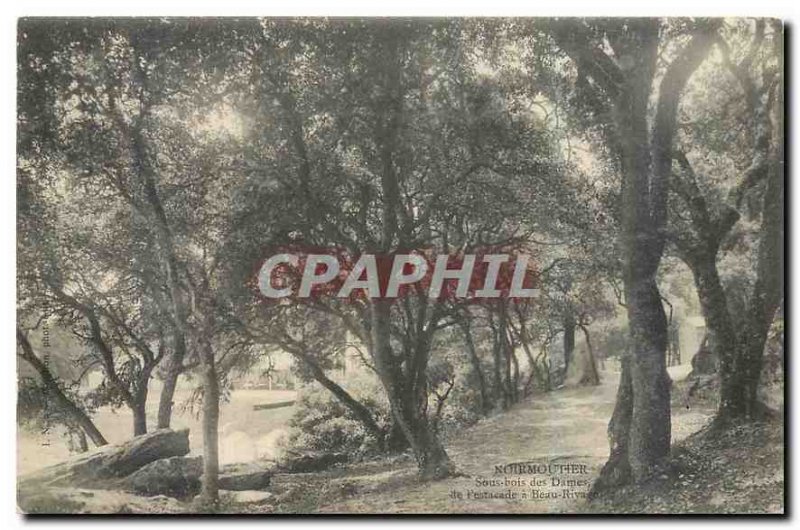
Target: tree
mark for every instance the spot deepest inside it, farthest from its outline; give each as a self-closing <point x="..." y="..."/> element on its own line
<point x="122" y="126"/>
<point x="75" y="416"/>
<point x="74" y="138"/>
<point x="617" y="62"/>
<point x="76" y="277"/>
<point x="709" y="204"/>
<point x="382" y="156"/>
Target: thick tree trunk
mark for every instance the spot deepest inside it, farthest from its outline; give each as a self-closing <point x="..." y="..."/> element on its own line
<point x="166" y="399"/>
<point x="406" y="387"/>
<point x="87" y="425"/>
<point x="646" y="168"/>
<point x="396" y="440"/>
<point x="617" y="470"/>
<point x="650" y="420"/>
<point x="645" y="156"/>
<point x="139" y="399"/>
<point x="739" y="386"/>
<point x="408" y="403"/>
<point x="432" y="459"/>
<point x="649" y="436"/>
<point x="77" y="414"/>
<point x="410" y="413"/>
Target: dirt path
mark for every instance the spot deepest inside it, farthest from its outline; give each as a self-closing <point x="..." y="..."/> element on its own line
<point x="562" y="434"/>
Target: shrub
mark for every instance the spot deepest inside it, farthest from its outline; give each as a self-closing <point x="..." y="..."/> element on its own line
<point x="321" y="423"/>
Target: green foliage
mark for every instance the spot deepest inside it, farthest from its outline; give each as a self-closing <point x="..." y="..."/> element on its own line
<point x="322" y="423"/>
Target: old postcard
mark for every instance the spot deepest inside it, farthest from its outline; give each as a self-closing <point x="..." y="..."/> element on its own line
<point x="400" y="266"/>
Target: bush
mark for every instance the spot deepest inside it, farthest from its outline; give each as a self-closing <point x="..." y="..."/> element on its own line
<point x="321" y="423"/>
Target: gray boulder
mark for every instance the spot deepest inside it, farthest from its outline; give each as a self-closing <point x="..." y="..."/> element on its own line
<point x="178" y="477"/>
<point x="110" y="462"/>
<point x="247" y="477"/>
<point x="181" y="477"/>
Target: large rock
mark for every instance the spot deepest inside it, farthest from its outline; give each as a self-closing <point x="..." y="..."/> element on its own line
<point x="241" y="477"/>
<point x="181" y="477"/>
<point x="257" y="480"/>
<point x="177" y="476"/>
<point x="110" y="462"/>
